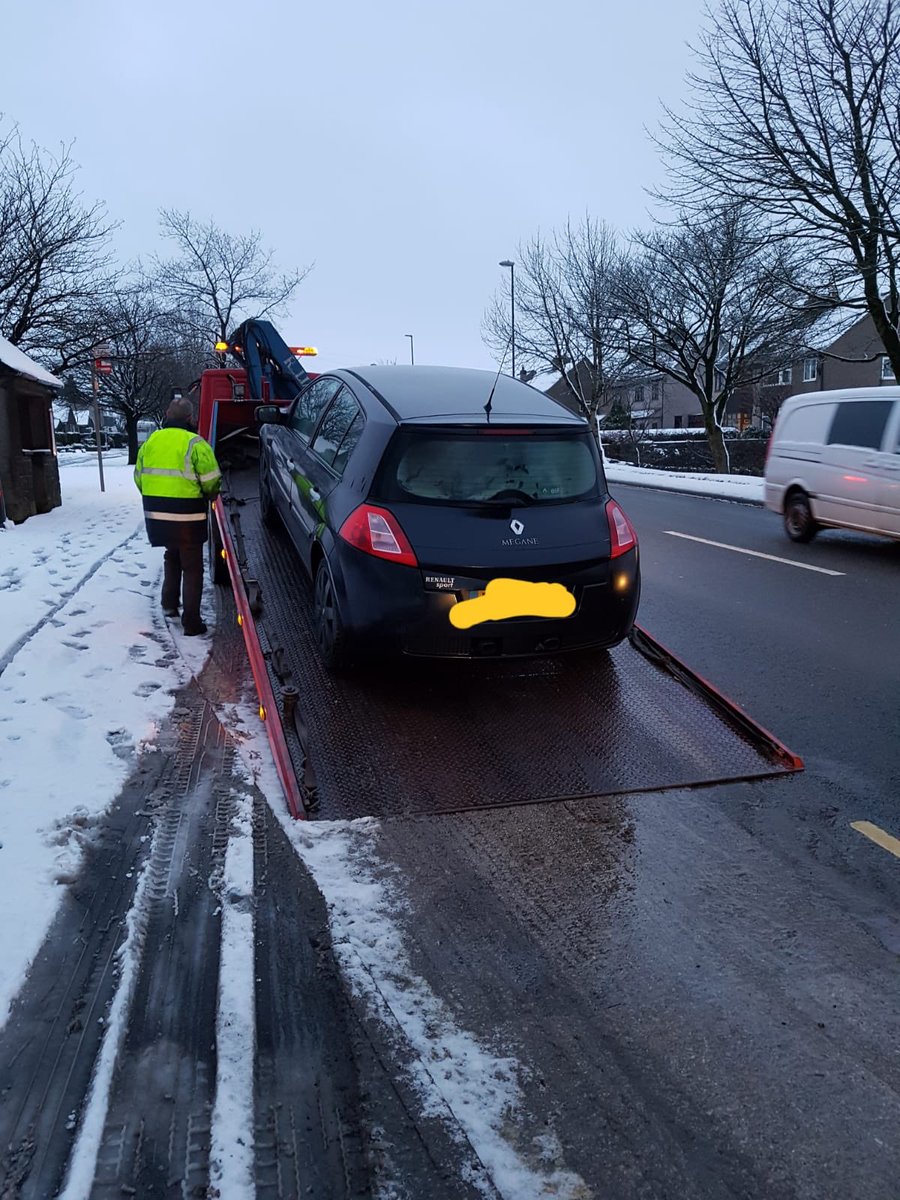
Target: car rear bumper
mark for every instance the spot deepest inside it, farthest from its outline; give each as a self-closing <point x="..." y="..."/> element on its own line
<point x="388" y="609"/>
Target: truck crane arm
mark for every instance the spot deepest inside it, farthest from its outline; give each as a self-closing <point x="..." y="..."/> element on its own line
<point x="264" y="354"/>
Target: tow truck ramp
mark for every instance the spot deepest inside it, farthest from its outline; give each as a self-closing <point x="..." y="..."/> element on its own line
<point x="426" y="736"/>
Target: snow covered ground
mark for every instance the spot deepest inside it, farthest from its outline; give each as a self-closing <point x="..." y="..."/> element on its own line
<point x="87" y="674"/>
<point x="748" y="488"/>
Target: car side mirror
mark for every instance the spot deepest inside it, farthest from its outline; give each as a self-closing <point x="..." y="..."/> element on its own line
<point x="268" y="414"/>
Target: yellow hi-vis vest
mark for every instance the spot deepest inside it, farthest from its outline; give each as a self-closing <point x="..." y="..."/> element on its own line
<point x="177" y="475"/>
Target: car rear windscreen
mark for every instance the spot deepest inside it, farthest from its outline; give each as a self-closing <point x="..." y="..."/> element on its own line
<point x="478" y="467"/>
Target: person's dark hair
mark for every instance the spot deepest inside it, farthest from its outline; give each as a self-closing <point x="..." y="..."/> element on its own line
<point x="181" y="411"/>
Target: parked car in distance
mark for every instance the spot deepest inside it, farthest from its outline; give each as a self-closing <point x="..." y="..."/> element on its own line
<point x="408" y="490"/>
<point x="834" y="461"/>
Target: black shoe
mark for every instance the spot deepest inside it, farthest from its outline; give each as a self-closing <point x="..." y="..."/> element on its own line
<point x="194" y="630"/>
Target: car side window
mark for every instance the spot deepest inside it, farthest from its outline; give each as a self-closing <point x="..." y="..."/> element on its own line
<point x="340" y="431"/>
<point x="310" y="405"/>
<point x="860" y="423"/>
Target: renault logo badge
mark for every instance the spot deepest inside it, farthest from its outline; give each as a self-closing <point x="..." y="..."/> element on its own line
<point x="517" y="527"/>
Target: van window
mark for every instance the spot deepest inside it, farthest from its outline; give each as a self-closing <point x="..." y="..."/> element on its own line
<point x="808" y="423"/>
<point x="860" y="423"/>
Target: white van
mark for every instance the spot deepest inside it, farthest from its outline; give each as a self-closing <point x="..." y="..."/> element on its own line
<point x="834" y="460"/>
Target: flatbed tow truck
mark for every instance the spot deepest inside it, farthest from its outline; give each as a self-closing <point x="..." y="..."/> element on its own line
<point x="441" y="737"/>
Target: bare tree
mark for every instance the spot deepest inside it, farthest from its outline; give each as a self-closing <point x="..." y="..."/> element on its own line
<point x="565" y="318"/>
<point x="150" y="354"/>
<point x="217" y="279"/>
<point x="706" y="303"/>
<point x="55" y="263"/>
<point x="629" y="419"/>
<point x="795" y="109"/>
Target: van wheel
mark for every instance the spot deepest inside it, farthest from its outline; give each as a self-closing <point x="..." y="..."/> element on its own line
<point x="331" y="636"/>
<point x="798" y="519"/>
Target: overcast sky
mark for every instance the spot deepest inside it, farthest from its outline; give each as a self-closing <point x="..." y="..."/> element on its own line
<point x="402" y="148"/>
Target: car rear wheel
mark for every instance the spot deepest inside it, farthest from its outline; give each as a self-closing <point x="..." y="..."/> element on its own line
<point x="331" y="636"/>
<point x="799" y="523"/>
<point x="267" y="510"/>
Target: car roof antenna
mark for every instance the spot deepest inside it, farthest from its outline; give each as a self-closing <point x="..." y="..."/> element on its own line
<point x="487" y="407"/>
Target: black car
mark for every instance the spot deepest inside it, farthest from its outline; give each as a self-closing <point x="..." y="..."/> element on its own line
<point x="409" y="490"/>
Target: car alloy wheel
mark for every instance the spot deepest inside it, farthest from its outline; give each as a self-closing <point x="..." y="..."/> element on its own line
<point x="330" y="636"/>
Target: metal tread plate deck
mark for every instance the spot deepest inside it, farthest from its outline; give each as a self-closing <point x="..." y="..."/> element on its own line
<point x="426" y="737"/>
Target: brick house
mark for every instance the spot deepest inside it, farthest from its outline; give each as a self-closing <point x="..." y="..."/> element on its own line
<point x="29" y="471"/>
<point x="653" y="399"/>
<point x="842" y="351"/>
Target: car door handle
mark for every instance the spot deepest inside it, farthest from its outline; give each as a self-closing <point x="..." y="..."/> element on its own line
<point x="315" y="495"/>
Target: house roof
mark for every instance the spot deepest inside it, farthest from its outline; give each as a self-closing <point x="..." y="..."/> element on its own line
<point x="13" y="358"/>
<point x="830" y="326"/>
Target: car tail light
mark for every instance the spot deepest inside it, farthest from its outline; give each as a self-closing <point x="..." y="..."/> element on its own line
<point x="621" y="533"/>
<point x="376" y="531"/>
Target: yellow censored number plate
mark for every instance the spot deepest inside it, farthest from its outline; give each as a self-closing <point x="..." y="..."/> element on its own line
<point x="505" y="598"/>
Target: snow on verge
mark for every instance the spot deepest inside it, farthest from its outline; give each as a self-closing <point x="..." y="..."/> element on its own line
<point x="454" y="1075"/>
<point x="749" y="488"/>
<point x="231" y="1137"/>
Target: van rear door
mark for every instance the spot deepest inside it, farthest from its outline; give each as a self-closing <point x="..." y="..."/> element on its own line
<point x="851" y="491"/>
<point x="889" y="474"/>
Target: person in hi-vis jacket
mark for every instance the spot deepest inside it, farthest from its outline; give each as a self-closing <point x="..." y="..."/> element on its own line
<point x="177" y="475"/>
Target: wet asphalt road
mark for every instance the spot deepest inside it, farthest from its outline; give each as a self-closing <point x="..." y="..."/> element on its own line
<point x="704" y="984"/>
<point x="813" y="657"/>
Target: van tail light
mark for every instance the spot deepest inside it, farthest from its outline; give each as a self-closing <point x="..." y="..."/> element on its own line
<point x="622" y="536"/>
<point x="376" y="531"/>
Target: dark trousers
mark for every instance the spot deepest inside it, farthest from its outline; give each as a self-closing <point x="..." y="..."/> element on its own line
<point x="183" y="579"/>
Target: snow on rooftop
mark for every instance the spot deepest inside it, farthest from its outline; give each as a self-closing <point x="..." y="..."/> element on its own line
<point x="11" y="356"/>
<point x="830" y="326"/>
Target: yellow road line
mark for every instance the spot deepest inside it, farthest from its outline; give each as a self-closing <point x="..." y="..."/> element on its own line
<point x="884" y="840"/>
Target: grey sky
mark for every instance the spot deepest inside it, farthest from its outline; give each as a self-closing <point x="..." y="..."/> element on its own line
<point x="404" y="148"/>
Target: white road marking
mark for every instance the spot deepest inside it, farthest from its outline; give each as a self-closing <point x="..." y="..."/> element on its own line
<point x="790" y="562"/>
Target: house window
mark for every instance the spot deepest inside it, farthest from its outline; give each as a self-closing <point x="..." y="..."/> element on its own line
<point x="810" y="370"/>
<point x="887" y="371"/>
<point x="638" y="397"/>
<point x="778" y="378"/>
<point x="678" y="419"/>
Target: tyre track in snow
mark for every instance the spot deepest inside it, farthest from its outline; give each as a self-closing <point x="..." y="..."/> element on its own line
<point x="157" y="1123"/>
<point x="21" y="642"/>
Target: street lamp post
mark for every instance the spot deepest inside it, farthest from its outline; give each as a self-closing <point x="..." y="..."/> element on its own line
<point x="512" y="303"/>
<point x="412" y="356"/>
